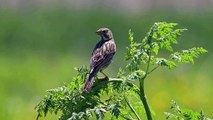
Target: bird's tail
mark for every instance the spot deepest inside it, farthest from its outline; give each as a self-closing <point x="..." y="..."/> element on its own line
<point x="88" y="84"/>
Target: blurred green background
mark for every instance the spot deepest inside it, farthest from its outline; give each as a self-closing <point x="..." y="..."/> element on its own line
<point x="42" y="41"/>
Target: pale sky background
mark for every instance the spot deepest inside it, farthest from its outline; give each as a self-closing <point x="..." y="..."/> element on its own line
<point x="132" y="5"/>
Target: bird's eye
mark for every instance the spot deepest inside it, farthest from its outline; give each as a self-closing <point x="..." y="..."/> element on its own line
<point x="105" y="31"/>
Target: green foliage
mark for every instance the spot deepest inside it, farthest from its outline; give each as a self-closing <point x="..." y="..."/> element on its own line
<point x="40" y="45"/>
<point x="187" y="56"/>
<point x="161" y="36"/>
<point x="107" y="96"/>
<point x="113" y="96"/>
<point x="178" y="113"/>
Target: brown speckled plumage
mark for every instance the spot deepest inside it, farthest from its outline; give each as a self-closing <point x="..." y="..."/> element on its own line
<point x="102" y="55"/>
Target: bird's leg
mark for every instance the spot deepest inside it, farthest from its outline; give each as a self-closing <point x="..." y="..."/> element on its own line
<point x="106" y="77"/>
<point x="103" y="73"/>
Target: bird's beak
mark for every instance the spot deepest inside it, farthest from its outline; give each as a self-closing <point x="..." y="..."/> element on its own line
<point x="97" y="32"/>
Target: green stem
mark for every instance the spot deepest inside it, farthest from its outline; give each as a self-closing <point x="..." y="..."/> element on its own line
<point x="126" y="118"/>
<point x="141" y="81"/>
<point x="153" y="70"/>
<point x="143" y="99"/>
<point x="143" y="95"/>
<point x="132" y="109"/>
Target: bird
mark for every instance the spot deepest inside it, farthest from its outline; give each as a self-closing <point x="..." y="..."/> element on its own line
<point x="102" y="56"/>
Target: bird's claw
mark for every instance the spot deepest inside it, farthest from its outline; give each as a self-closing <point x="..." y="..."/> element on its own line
<point x="104" y="78"/>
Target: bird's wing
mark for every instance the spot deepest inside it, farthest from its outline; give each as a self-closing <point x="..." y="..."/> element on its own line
<point x="102" y="54"/>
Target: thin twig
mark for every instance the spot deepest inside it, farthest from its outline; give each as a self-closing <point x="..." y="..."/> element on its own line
<point x="153" y="69"/>
<point x="125" y="117"/>
<point x="132" y="109"/>
<point x="118" y="79"/>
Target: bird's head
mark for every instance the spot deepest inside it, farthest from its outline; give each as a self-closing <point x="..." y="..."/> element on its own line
<point x="105" y="33"/>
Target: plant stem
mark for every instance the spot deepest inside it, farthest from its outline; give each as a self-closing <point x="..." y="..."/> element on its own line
<point x="143" y="98"/>
<point x="126" y="118"/>
<point x="132" y="109"/>
<point x="153" y="70"/>
<point x="140" y="92"/>
<point x="141" y="81"/>
<point x="143" y="95"/>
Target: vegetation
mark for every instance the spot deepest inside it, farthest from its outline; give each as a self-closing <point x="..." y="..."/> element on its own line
<point x="40" y="46"/>
<point x="115" y="96"/>
<point x="184" y="114"/>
